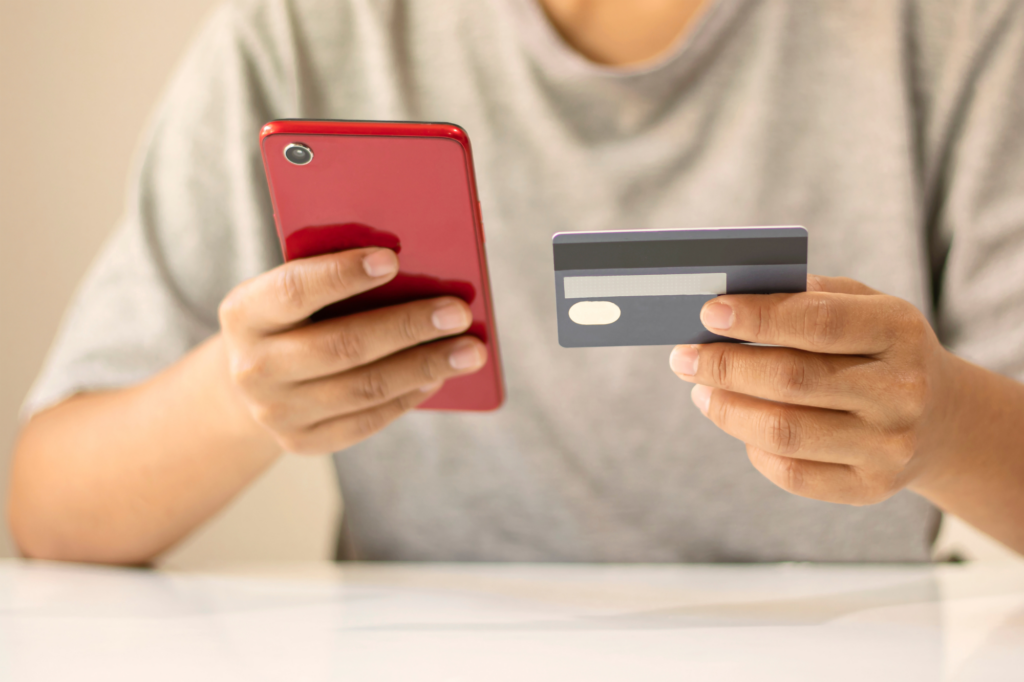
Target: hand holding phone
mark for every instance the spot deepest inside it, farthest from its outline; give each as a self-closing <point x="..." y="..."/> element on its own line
<point x="405" y="187"/>
<point x="322" y="386"/>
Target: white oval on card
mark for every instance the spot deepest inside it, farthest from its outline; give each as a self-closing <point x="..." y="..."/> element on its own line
<point x="594" y="312"/>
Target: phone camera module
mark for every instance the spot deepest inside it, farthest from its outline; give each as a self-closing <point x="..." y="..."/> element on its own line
<point x="298" y="154"/>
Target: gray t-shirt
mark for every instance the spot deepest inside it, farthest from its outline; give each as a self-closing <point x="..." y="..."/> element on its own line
<point x="892" y="129"/>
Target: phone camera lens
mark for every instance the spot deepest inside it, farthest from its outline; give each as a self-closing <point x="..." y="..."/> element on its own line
<point x="298" y="153"/>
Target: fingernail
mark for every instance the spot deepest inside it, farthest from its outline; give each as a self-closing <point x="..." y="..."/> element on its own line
<point x="380" y="263"/>
<point x="683" y="360"/>
<point x="431" y="387"/>
<point x="466" y="357"/>
<point x="717" y="316"/>
<point x="701" y="396"/>
<point x="451" y="316"/>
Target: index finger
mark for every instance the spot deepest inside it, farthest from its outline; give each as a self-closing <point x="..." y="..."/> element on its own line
<point x="290" y="293"/>
<point x="820" y="322"/>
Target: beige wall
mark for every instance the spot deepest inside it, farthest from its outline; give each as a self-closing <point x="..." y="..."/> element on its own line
<point x="78" y="79"/>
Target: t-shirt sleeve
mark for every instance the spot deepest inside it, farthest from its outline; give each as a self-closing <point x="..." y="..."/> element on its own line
<point x="979" y="202"/>
<point x="197" y="219"/>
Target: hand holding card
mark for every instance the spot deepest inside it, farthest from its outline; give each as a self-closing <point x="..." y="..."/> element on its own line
<point x="853" y="398"/>
<point x="647" y="287"/>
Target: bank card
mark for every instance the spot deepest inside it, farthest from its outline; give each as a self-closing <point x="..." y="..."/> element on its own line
<point x="647" y="287"/>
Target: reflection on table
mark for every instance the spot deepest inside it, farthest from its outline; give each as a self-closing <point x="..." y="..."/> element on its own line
<point x="513" y="622"/>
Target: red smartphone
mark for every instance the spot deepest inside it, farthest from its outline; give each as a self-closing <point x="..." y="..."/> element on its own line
<point x="409" y="187"/>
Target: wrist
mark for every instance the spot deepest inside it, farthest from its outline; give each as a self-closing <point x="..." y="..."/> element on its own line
<point x="938" y="446"/>
<point x="954" y="444"/>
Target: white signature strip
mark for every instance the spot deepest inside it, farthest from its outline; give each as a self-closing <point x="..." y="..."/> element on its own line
<point x="608" y="286"/>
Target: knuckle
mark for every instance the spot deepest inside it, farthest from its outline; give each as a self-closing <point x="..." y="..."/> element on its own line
<point x="722" y="409"/>
<point x="901" y="448"/>
<point x="764" y="324"/>
<point x="337" y="275"/>
<point x="781" y="433"/>
<point x="910" y="323"/>
<point x="720" y="368"/>
<point x="405" y="403"/>
<point x="905" y="327"/>
<point x="372" y="386"/>
<point x="250" y="369"/>
<point x="912" y="391"/>
<point x="370" y="422"/>
<point x="272" y="414"/>
<point x="229" y="312"/>
<point x="792" y="377"/>
<point x="348" y="345"/>
<point x="916" y="392"/>
<point x="431" y="367"/>
<point x="790" y="475"/>
<point x="290" y="286"/>
<point x="785" y="472"/>
<point x="407" y="329"/>
<point x="823" y="322"/>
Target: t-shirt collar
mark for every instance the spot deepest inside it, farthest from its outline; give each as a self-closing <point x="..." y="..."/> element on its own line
<point x="554" y="55"/>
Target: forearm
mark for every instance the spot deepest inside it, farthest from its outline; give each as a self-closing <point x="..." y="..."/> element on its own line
<point x="120" y="476"/>
<point x="979" y="471"/>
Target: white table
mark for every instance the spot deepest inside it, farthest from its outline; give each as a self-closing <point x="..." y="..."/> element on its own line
<point x="468" y="623"/>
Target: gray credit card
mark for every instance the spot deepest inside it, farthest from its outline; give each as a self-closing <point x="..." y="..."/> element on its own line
<point x="647" y="287"/>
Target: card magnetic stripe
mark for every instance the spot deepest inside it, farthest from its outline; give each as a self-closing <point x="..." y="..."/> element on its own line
<point x="681" y="253"/>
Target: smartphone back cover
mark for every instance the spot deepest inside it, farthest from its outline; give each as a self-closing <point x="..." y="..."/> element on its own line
<point x="407" y="187"/>
<point x="647" y="287"/>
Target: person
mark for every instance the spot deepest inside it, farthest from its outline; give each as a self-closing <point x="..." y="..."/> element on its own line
<point x="893" y="130"/>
